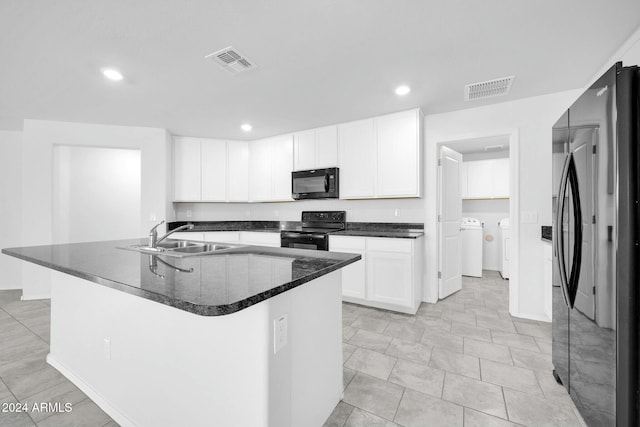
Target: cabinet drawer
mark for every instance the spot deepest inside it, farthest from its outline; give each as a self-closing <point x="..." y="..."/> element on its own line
<point x="390" y="245"/>
<point x="346" y="243"/>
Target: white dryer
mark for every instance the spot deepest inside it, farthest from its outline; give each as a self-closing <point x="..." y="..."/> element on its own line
<point x="471" y="239"/>
<point x="504" y="247"/>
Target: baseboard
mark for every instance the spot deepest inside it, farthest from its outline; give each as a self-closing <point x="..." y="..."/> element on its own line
<point x="538" y="317"/>
<point x="96" y="397"/>
<point x="33" y="297"/>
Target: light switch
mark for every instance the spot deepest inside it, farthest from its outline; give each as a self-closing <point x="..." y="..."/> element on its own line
<point x="279" y="333"/>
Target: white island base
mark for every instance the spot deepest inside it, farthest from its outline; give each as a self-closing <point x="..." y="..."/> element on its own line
<point x="149" y="364"/>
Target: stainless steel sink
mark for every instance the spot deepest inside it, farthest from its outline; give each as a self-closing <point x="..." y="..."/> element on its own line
<point x="183" y="248"/>
<point x="200" y="249"/>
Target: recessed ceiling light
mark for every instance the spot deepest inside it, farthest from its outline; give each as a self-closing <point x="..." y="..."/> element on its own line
<point x="246" y="127"/>
<point x="112" y="74"/>
<point x="403" y="90"/>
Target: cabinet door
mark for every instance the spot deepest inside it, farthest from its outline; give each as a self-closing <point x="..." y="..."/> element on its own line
<point x="357" y="159"/>
<point x="260" y="238"/>
<point x="464" y="189"/>
<point x="238" y="171"/>
<point x="398" y="152"/>
<point x="282" y="164"/>
<point x="304" y="149"/>
<point x="259" y="171"/>
<point x="186" y="169"/>
<point x="353" y="275"/>
<point x="389" y="277"/>
<point x="326" y="147"/>
<point x="213" y="162"/>
<point x="479" y="179"/>
<point x="500" y="178"/>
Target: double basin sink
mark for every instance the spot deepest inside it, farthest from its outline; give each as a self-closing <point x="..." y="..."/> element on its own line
<point x="183" y="248"/>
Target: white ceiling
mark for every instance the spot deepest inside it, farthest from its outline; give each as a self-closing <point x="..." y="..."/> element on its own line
<point x="319" y="62"/>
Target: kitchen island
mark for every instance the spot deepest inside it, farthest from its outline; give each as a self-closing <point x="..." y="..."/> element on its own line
<point x="248" y="337"/>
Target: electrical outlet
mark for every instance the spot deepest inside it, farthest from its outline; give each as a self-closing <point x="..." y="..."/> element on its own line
<point x="152" y="217"/>
<point x="107" y="349"/>
<point x="279" y="333"/>
<point x="188" y="213"/>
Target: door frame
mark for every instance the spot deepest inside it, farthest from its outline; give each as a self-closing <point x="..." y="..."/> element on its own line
<point x="514" y="205"/>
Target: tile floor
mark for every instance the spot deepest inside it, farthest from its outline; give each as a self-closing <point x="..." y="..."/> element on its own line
<point x="461" y="362"/>
<point x="25" y="376"/>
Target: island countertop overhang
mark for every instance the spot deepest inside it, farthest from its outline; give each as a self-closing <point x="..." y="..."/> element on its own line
<point x="218" y="284"/>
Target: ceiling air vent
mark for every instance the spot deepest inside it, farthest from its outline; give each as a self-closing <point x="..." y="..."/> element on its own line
<point x="231" y="60"/>
<point x="488" y="89"/>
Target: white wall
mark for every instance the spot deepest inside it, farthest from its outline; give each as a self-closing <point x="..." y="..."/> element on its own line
<point x="10" y="207"/>
<point x="489" y="212"/>
<point x="96" y="193"/>
<point x="408" y="210"/>
<point x="531" y="119"/>
<point x="39" y="138"/>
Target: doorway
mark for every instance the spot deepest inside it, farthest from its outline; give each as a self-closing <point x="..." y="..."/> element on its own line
<point x="486" y="194"/>
<point x="96" y="193"/>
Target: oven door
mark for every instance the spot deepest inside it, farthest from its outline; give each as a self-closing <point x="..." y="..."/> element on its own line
<point x="314" y="241"/>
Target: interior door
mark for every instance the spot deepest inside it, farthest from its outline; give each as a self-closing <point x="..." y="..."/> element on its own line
<point x="450" y="218"/>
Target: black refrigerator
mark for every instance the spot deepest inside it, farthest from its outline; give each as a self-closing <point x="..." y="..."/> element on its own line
<point x="595" y="245"/>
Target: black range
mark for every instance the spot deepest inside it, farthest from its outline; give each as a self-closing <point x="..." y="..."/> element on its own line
<point x="314" y="231"/>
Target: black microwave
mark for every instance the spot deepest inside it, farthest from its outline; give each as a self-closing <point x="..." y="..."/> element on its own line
<point x="315" y="184"/>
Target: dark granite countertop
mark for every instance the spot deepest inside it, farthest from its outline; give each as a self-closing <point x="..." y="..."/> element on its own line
<point x="546" y="233"/>
<point x="208" y="285"/>
<point x="265" y="226"/>
<point x="414" y="234"/>
<point x="399" y="230"/>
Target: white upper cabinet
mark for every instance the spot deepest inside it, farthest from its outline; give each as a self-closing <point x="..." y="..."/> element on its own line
<point x="357" y="159"/>
<point x="282" y="166"/>
<point x="316" y="148"/>
<point x="304" y="149"/>
<point x="238" y="171"/>
<point x="485" y="179"/>
<point x="327" y="147"/>
<point x="270" y="167"/>
<point x="260" y="171"/>
<point x="186" y="169"/>
<point x="381" y="157"/>
<point x="213" y="160"/>
<point x="501" y="178"/>
<point x="398" y="138"/>
<point x="210" y="170"/>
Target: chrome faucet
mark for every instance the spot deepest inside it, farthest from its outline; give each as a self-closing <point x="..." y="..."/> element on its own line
<point x="153" y="234"/>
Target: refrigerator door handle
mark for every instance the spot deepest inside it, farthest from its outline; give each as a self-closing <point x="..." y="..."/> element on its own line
<point x="559" y="230"/>
<point x="576" y="263"/>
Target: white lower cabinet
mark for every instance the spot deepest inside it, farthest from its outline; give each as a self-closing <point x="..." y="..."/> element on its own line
<point x="260" y="238"/>
<point x="222" y="236"/>
<point x="255" y="238"/>
<point x="353" y="275"/>
<point x="389" y="275"/>
<point x="186" y="235"/>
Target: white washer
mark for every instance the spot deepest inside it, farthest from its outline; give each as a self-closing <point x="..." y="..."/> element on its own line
<point x="504" y="247"/>
<point x="471" y="239"/>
